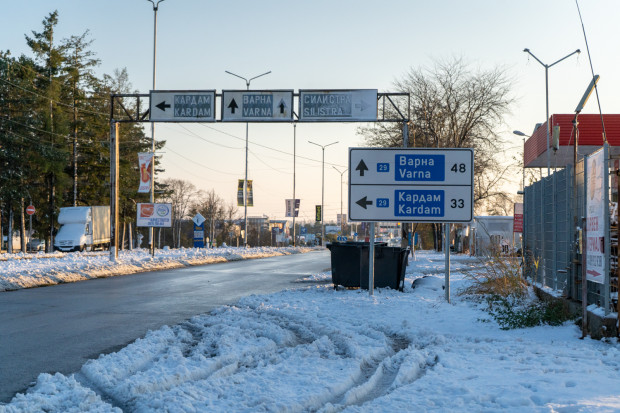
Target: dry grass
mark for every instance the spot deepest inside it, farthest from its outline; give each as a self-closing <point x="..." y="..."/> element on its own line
<point x="501" y="277"/>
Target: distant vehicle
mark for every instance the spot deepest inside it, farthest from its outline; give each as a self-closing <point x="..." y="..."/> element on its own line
<point x="83" y="228"/>
<point x="36" y="244"/>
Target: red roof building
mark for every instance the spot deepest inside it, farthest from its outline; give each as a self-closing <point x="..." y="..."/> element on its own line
<point x="590" y="139"/>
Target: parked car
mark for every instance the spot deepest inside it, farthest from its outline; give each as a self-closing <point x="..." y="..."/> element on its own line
<point x="36" y="244"/>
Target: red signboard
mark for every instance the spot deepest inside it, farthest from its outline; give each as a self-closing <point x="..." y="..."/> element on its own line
<point x="517" y="224"/>
<point x="30" y="210"/>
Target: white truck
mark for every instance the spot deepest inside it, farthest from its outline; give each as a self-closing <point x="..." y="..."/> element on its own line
<point x="83" y="228"/>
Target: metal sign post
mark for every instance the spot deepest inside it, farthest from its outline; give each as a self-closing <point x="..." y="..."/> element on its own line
<point x="371" y="260"/>
<point x="446" y="245"/>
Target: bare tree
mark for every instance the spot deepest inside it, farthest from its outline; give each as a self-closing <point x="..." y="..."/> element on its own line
<point x="454" y="107"/>
<point x="180" y="194"/>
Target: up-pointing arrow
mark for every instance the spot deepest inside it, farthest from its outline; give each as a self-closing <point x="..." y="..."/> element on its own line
<point x="233" y="106"/>
<point x="282" y="106"/>
<point x="163" y="105"/>
<point x="364" y="202"/>
<point x="361" y="167"/>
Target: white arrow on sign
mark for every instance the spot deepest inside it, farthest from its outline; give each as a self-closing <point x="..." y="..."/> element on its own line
<point x="198" y="219"/>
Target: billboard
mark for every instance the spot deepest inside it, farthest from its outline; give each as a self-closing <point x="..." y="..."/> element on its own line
<point x="154" y="215"/>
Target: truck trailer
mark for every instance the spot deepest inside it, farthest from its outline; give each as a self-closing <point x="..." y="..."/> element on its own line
<point x="83" y="228"/>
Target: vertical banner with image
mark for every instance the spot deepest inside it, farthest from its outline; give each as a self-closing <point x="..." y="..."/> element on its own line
<point x="250" y="194"/>
<point x="597" y="201"/>
<point x="240" y="193"/>
<point x="292" y="208"/>
<point x="145" y="160"/>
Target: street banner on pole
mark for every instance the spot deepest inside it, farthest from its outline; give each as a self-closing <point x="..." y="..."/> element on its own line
<point x="250" y="194"/>
<point x="154" y="215"/>
<point x="292" y="209"/>
<point x="318" y="213"/>
<point x="145" y="159"/>
<point x="240" y="193"/>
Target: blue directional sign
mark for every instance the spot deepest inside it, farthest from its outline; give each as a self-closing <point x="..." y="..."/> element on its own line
<point x="257" y="106"/>
<point x="432" y="185"/>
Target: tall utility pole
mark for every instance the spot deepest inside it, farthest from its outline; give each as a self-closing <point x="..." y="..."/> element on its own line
<point x="155" y="8"/>
<point x="323" y="190"/>
<point x="294" y="201"/>
<point x="341" y="183"/>
<point x="547" y="97"/>
<point x="245" y="181"/>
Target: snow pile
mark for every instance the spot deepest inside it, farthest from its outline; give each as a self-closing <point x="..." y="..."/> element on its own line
<point x="35" y="270"/>
<point x="326" y="350"/>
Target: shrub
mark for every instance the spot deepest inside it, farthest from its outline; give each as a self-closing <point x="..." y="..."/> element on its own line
<point x="501" y="277"/>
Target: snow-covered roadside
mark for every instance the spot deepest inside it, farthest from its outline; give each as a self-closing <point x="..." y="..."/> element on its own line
<point x="36" y="270"/>
<point x="317" y="349"/>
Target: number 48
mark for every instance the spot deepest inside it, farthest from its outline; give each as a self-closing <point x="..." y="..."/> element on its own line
<point x="459" y="168"/>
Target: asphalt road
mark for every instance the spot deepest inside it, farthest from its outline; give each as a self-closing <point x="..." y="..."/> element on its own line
<point x="58" y="328"/>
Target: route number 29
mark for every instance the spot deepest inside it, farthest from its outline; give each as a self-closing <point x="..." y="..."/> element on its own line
<point x="457" y="203"/>
<point x="459" y="168"/>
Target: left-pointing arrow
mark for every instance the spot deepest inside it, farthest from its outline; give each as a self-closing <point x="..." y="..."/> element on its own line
<point x="364" y="202"/>
<point x="163" y="105"/>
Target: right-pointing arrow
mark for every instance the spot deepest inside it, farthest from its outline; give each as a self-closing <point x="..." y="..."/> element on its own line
<point x="364" y="202"/>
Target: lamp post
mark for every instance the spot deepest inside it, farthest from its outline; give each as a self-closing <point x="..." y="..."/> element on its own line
<point x="245" y="181"/>
<point x="155" y="8"/>
<point x="341" y="183"/>
<point x="519" y="133"/>
<point x="547" y="97"/>
<point x="323" y="189"/>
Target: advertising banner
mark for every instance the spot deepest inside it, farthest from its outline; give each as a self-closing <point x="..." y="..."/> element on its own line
<point x="517" y="225"/>
<point x="145" y="160"/>
<point x="199" y="236"/>
<point x="317" y="213"/>
<point x="250" y="194"/>
<point x="240" y="193"/>
<point x="292" y="209"/>
<point x="597" y="200"/>
<point x="341" y="219"/>
<point x="154" y="215"/>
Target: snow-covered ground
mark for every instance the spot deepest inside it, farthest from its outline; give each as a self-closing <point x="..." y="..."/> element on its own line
<point x="319" y="349"/>
<point x="36" y="270"/>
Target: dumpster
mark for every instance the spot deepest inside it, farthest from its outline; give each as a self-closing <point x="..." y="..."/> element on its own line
<point x="349" y="262"/>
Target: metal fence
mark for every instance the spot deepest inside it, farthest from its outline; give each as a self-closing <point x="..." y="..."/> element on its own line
<point x="552" y="256"/>
<point x="548" y="233"/>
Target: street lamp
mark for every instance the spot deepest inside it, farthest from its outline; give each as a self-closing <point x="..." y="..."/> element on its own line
<point x="245" y="182"/>
<point x="155" y="8"/>
<point x="341" y="183"/>
<point x="519" y="133"/>
<point x="547" y="97"/>
<point x="323" y="189"/>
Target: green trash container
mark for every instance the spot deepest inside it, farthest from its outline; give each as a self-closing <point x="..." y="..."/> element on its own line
<point x="349" y="262"/>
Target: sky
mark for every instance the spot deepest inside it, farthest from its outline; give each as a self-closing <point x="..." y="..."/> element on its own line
<point x="327" y="45"/>
<point x="314" y="348"/>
